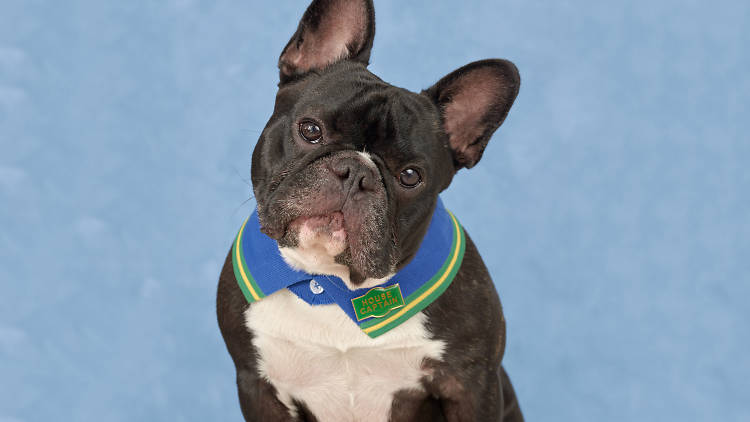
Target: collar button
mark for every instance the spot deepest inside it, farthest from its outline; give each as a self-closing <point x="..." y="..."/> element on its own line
<point x="315" y="287"/>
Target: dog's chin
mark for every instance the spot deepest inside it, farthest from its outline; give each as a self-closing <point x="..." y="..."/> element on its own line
<point x="320" y="245"/>
<point x="323" y="235"/>
<point x="313" y="243"/>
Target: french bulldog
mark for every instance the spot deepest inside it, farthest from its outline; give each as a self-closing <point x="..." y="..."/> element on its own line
<point x="351" y="294"/>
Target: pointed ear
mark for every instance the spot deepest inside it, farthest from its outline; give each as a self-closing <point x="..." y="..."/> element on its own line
<point x="473" y="102"/>
<point x="330" y="30"/>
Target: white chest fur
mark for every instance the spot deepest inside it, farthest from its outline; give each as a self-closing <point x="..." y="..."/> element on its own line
<point x="315" y="354"/>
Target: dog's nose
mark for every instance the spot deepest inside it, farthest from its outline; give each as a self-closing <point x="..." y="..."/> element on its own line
<point x="355" y="174"/>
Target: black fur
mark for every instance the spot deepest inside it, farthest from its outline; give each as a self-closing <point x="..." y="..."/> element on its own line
<point x="431" y="132"/>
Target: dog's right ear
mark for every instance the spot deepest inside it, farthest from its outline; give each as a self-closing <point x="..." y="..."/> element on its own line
<point x="474" y="101"/>
<point x="330" y="31"/>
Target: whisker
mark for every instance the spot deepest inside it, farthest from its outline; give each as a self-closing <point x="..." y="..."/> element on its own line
<point x="242" y="204"/>
<point x="247" y="182"/>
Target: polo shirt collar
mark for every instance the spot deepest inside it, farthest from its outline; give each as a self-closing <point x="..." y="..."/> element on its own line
<point x="260" y="271"/>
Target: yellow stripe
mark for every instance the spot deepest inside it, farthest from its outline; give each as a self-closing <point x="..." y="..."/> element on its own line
<point x="239" y="264"/>
<point x="427" y="292"/>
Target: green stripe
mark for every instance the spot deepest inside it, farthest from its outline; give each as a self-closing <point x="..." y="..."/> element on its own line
<point x="238" y="276"/>
<point x="425" y="286"/>
<point x="429" y="299"/>
<point x="250" y="276"/>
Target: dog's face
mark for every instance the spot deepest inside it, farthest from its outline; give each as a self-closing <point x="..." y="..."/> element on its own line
<point x="348" y="169"/>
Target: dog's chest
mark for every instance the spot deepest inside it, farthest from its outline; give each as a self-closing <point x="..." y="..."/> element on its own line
<point x="318" y="356"/>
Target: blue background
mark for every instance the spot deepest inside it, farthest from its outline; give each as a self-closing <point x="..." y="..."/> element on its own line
<point x="612" y="207"/>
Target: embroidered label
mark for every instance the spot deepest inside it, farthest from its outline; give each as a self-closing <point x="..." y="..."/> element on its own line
<point x="377" y="302"/>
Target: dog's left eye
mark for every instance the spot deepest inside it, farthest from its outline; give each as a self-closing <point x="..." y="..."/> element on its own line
<point x="311" y="132"/>
<point x="409" y="177"/>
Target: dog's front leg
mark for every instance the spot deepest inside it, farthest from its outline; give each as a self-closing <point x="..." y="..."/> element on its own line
<point x="258" y="399"/>
<point x="496" y="402"/>
<point x="474" y="395"/>
<point x="461" y="404"/>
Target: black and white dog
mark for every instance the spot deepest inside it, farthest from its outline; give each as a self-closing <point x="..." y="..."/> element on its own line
<point x="352" y="294"/>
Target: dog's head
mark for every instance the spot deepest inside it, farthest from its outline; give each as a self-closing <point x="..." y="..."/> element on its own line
<point x="348" y="169"/>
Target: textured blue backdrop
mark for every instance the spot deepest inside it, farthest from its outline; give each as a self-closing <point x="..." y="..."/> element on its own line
<point x="612" y="207"/>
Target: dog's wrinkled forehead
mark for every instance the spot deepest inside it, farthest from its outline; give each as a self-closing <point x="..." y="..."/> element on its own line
<point x="359" y="110"/>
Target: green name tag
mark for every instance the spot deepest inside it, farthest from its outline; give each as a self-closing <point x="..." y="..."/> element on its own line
<point x="377" y="302"/>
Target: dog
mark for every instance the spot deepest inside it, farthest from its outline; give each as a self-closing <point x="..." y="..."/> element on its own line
<point x="352" y="293"/>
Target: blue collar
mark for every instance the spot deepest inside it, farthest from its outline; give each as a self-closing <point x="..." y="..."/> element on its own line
<point x="261" y="271"/>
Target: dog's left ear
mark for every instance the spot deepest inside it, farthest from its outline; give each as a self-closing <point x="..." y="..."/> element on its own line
<point x="330" y="31"/>
<point x="473" y="102"/>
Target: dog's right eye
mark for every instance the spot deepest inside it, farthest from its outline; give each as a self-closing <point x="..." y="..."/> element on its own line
<point x="310" y="131"/>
